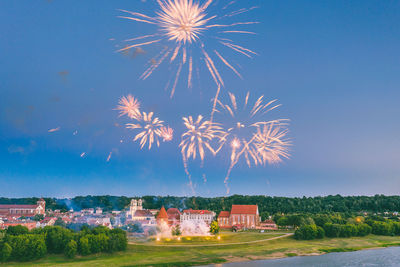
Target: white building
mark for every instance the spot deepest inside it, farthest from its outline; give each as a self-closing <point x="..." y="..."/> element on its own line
<point x="138" y="214"/>
<point x="198" y="216"/>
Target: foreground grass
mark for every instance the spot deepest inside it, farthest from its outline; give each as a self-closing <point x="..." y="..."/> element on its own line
<point x="148" y="255"/>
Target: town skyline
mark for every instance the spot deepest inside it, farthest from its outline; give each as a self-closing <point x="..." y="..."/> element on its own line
<point x="333" y="67"/>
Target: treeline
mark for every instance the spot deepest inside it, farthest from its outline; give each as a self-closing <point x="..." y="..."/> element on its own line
<point x="20" y="244"/>
<point x="358" y="226"/>
<point x="271" y="205"/>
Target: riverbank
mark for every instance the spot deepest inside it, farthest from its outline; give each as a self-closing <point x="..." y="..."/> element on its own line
<point x="165" y="255"/>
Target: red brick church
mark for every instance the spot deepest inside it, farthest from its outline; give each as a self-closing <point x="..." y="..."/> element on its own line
<point x="23" y="210"/>
<point x="240" y="215"/>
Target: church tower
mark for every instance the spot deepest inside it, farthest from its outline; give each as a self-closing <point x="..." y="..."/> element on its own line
<point x="41" y="209"/>
<point x="140" y="205"/>
<point x="133" y="207"/>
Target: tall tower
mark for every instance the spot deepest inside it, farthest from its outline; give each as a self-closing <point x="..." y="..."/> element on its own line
<point x="41" y="209"/>
<point x="133" y="207"/>
<point x="140" y="204"/>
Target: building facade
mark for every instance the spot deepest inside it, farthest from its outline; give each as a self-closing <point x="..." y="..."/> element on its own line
<point x="23" y="210"/>
<point x="197" y="216"/>
<point x="240" y="215"/>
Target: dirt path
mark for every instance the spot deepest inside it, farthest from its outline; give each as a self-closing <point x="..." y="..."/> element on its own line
<point x="213" y="245"/>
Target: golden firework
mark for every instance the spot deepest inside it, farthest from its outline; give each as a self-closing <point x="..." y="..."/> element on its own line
<point x="129" y="106"/>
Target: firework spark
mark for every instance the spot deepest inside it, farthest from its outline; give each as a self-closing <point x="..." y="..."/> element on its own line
<point x="151" y="129"/>
<point x="54" y="130"/>
<point x="129" y="106"/>
<point x="184" y="25"/>
<point x="198" y="136"/>
<point x="271" y="144"/>
<point x="243" y="126"/>
<point x="196" y="140"/>
<point x="166" y="133"/>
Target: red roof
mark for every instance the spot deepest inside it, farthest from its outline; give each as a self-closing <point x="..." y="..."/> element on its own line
<point x="162" y="214"/>
<point x="18" y="206"/>
<point x="244" y="209"/>
<point x="197" y="211"/>
<point x="173" y="214"/>
<point x="224" y="214"/>
<point x="143" y="213"/>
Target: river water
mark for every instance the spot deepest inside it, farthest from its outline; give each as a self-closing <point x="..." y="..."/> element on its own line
<point x="372" y="257"/>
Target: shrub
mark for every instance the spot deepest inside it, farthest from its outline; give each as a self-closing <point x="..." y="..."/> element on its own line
<point x="84" y="248"/>
<point x="214" y="228"/>
<point x="5" y="252"/>
<point x="382" y="228"/>
<point x="27" y="247"/>
<point x="363" y="229"/>
<point x="332" y="230"/>
<point x="57" y="238"/>
<point x="17" y="230"/>
<point x="71" y="249"/>
<point x="306" y="232"/>
<point x="320" y="232"/>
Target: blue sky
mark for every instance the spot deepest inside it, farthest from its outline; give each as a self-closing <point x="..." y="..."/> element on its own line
<point x="333" y="65"/>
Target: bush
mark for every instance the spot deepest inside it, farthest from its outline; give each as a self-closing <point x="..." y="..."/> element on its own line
<point x="84" y="248"/>
<point x="306" y="232"/>
<point x="382" y="228"/>
<point x="71" y="249"/>
<point x="363" y="229"/>
<point x="5" y="252"/>
<point x="17" y="230"/>
<point x="27" y="247"/>
<point x="214" y="228"/>
<point x="57" y="238"/>
<point x="348" y="230"/>
<point x="320" y="232"/>
<point x="332" y="230"/>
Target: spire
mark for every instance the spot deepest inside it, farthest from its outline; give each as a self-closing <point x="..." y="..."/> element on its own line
<point x="162" y="214"/>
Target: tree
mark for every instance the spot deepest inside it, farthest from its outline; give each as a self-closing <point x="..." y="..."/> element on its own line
<point x="38" y="217"/>
<point x="17" y="230"/>
<point x="176" y="231"/>
<point x="84" y="248"/>
<point x="214" y="227"/>
<point x="306" y="232"/>
<point x="60" y="222"/>
<point x="264" y="215"/>
<point x="5" y="252"/>
<point x="71" y="249"/>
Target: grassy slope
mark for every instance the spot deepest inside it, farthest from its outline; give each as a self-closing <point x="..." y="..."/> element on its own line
<point x="140" y="255"/>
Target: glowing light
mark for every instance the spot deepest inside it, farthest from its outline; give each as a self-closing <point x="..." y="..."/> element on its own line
<point x="219" y="237"/>
<point x="179" y="239"/>
<point x="129" y="106"/>
<point x="158" y="239"/>
<point x="184" y="25"/>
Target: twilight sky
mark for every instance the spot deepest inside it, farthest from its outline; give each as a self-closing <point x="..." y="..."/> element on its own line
<point x="333" y="65"/>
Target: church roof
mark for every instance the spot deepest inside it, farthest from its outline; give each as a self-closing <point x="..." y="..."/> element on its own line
<point x="143" y="213"/>
<point x="244" y="209"/>
<point x="162" y="214"/>
<point x="224" y="214"/>
<point x="18" y="206"/>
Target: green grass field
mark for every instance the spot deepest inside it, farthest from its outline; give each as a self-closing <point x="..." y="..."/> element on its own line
<point x="150" y="255"/>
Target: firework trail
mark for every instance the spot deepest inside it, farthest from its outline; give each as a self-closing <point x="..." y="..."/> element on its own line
<point x="243" y="130"/>
<point x="184" y="27"/>
<point x="197" y="139"/>
<point x="54" y="130"/>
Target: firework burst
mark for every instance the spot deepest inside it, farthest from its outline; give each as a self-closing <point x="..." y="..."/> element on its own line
<point x="129" y="106"/>
<point x="166" y="133"/>
<point x="183" y="26"/>
<point x="243" y="129"/>
<point x="271" y="144"/>
<point x="196" y="140"/>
